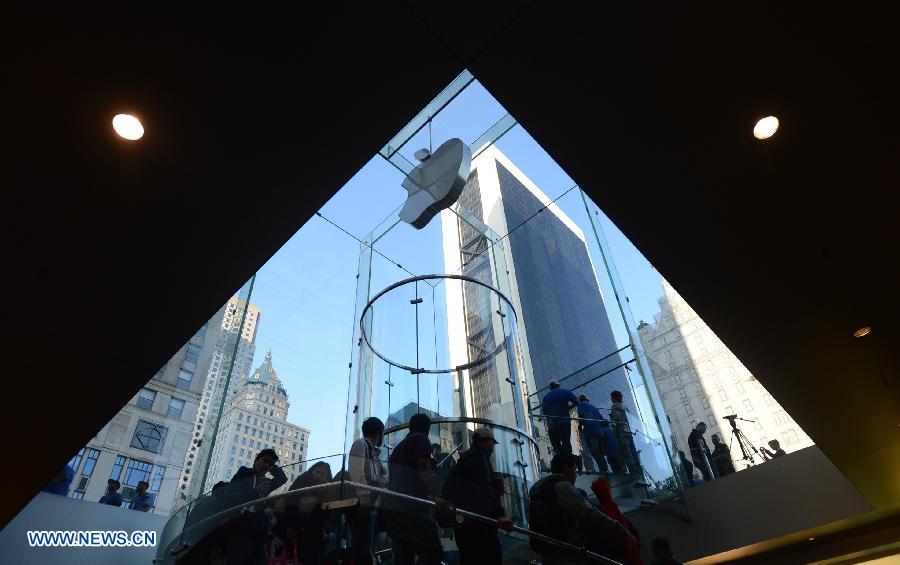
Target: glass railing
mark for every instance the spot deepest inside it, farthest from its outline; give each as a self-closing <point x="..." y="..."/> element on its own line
<point x="327" y="519"/>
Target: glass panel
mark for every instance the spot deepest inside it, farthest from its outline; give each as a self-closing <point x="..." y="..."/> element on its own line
<point x="423" y="117"/>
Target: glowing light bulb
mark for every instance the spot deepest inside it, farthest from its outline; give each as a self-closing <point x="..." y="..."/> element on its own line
<point x="128" y="127"/>
<point x="862" y="332"/>
<point x="765" y="128"/>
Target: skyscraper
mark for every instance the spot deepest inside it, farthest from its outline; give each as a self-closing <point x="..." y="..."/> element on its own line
<point x="701" y="380"/>
<point x="548" y="275"/>
<point x="255" y="418"/>
<point x="234" y="347"/>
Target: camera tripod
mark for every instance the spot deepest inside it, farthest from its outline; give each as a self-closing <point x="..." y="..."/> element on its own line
<point x="747" y="449"/>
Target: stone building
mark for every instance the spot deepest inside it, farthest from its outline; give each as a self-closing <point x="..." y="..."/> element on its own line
<point x="255" y="418"/>
<point x="700" y="379"/>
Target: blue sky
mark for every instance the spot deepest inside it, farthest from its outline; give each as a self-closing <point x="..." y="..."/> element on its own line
<point x="307" y="291"/>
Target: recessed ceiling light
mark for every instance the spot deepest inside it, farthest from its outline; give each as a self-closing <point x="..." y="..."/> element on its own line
<point x="810" y="539"/>
<point x="128" y="127"/>
<point x="765" y="128"/>
<point x="862" y="332"/>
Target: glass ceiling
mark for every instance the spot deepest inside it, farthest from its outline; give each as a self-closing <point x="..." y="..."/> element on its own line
<point x="306" y="300"/>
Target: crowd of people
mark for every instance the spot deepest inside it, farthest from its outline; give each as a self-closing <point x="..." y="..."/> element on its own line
<point x="243" y="526"/>
<point x="236" y="522"/>
<point x="716" y="463"/>
<point x="610" y="442"/>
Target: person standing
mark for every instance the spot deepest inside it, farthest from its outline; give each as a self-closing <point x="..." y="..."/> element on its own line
<point x="248" y="531"/>
<point x="618" y="416"/>
<point x="590" y="423"/>
<point x="142" y="501"/>
<point x="556" y="406"/>
<point x="112" y="497"/>
<point x="365" y="467"/>
<point x="721" y="457"/>
<point x="561" y="511"/>
<point x="472" y="486"/>
<point x="776" y="451"/>
<point x="411" y="526"/>
<point x="699" y="450"/>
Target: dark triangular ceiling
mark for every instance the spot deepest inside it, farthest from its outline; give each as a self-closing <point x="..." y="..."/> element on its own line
<point x="783" y="247"/>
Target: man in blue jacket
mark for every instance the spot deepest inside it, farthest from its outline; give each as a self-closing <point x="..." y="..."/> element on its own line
<point x="142" y="501"/>
<point x="591" y="423"/>
<point x="112" y="496"/>
<point x="556" y="406"/>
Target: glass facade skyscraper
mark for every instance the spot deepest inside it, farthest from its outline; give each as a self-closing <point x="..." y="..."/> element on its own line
<point x="552" y="284"/>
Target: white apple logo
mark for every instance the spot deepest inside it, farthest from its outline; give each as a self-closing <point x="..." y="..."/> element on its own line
<point x="436" y="183"/>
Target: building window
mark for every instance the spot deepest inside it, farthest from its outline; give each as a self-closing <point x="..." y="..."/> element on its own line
<point x="682" y="393"/>
<point x="176" y="407"/>
<point x="193" y="353"/>
<point x="117" y="468"/>
<point x="137" y="471"/>
<point x="145" y="398"/>
<point x="688" y="409"/>
<point x="757" y="426"/>
<point x="739" y="387"/>
<point x="184" y="379"/>
<point x="158" y="479"/>
<point x="90" y="462"/>
<point x="160" y="373"/>
<point x="202" y="331"/>
<point x="768" y="399"/>
<point x="722" y="395"/>
<point x="704" y="401"/>
<point x="149" y="436"/>
<point x="790" y="437"/>
<point x="76" y="461"/>
<point x="78" y="495"/>
<point x="779" y="417"/>
<point x="747" y="405"/>
<point x="241" y="417"/>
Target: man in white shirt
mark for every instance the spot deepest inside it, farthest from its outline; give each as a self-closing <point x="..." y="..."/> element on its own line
<point x="365" y="467"/>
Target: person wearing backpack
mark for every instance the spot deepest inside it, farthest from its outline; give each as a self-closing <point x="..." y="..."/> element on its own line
<point x="472" y="486"/>
<point x="561" y="511"/>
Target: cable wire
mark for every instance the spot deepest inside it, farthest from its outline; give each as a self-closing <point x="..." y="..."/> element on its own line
<point x="319" y="214"/>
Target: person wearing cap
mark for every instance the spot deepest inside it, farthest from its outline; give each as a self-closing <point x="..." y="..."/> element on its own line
<point x="473" y="486"/>
<point x="556" y="406"/>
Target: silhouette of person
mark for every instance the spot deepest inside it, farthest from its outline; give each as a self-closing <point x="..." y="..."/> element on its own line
<point x="776" y="450"/>
<point x="112" y="497"/>
<point x="142" y="501"/>
<point x="699" y="450"/>
<point x="556" y="405"/>
<point x="721" y="457"/>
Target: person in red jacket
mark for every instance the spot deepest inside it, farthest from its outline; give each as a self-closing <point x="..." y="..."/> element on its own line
<point x="629" y="552"/>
